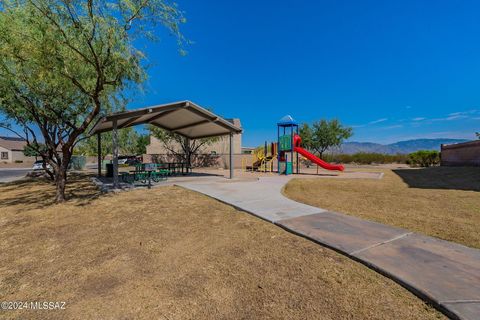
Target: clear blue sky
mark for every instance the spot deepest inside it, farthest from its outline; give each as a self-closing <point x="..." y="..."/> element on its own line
<point x="394" y="70"/>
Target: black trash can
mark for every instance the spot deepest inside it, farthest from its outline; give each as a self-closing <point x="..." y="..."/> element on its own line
<point x="109" y="167"/>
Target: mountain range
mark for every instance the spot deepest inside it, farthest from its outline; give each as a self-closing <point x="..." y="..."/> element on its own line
<point x="402" y="147"/>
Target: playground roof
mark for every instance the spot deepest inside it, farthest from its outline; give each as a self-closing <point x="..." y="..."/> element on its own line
<point x="287" y="121"/>
<point x="184" y="117"/>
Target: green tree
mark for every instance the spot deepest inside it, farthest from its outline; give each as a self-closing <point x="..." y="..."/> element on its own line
<point x="34" y="150"/>
<point x="129" y="143"/>
<point x="143" y="140"/>
<point x="306" y="134"/>
<point x="63" y="62"/>
<point x="424" y="158"/>
<point x="175" y="144"/>
<point x="324" y="134"/>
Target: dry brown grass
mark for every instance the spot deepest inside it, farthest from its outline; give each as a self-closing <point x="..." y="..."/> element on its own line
<point x="440" y="202"/>
<point x="168" y="253"/>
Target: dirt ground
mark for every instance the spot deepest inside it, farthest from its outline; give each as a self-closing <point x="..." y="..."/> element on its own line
<point x="442" y="202"/>
<point x="168" y="253"/>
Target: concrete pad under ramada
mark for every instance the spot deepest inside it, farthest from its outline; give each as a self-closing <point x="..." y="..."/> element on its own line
<point x="445" y="274"/>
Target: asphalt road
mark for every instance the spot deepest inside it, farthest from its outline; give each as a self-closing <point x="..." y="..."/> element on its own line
<point x="11" y="174"/>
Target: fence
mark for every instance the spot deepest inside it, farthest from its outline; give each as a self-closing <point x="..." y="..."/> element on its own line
<point x="461" y="154"/>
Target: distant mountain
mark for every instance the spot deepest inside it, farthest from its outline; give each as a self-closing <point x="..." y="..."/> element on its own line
<point x="404" y="147"/>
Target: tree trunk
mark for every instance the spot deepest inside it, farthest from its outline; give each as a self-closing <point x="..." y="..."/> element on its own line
<point x="189" y="159"/>
<point x="60" y="182"/>
<point x="61" y="175"/>
<point x="49" y="173"/>
<point x="188" y="153"/>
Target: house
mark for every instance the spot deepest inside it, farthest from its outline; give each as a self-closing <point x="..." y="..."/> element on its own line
<point x="11" y="150"/>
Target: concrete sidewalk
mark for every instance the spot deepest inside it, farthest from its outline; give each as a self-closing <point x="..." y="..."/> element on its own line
<point x="443" y="273"/>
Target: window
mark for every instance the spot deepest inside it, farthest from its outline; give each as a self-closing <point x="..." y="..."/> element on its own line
<point x="4" y="156"/>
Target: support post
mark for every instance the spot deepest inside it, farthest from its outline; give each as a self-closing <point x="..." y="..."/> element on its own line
<point x="188" y="155"/>
<point x="291" y="146"/>
<point x="298" y="163"/>
<point x="231" y="155"/>
<point x="99" y="154"/>
<point x="115" y="154"/>
<point x="278" y="149"/>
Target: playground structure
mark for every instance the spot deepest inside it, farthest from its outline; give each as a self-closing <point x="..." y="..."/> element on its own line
<point x="297" y="140"/>
<point x="285" y="152"/>
<point x="262" y="160"/>
<point x="286" y="159"/>
<point x="290" y="148"/>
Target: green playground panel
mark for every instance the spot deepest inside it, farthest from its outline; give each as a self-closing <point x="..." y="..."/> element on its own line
<point x="285" y="167"/>
<point x="286" y="142"/>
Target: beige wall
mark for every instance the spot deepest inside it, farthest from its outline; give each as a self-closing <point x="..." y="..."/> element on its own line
<point x="222" y="146"/>
<point x="461" y="154"/>
<point x="205" y="160"/>
<point x="19" y="156"/>
<point x="214" y="155"/>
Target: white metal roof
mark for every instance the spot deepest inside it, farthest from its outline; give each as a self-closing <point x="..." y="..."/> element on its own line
<point x="184" y="117"/>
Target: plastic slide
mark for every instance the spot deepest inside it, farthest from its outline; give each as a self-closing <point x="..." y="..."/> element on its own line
<point x="297" y="141"/>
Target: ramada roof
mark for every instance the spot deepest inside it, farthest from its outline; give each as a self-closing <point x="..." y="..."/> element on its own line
<point x="185" y="118"/>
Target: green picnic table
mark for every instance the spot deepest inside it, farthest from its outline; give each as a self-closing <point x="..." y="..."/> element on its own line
<point x="145" y="173"/>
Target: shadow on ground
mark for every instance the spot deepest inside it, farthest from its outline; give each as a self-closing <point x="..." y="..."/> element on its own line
<point x="455" y="178"/>
<point x="38" y="193"/>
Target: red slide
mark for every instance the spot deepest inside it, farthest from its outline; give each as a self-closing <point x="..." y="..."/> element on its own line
<point x="297" y="141"/>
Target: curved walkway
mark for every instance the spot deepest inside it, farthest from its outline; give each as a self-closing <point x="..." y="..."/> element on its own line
<point x="443" y="273"/>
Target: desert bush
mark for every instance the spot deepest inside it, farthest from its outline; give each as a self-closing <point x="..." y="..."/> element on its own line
<point x="423" y="158"/>
<point x="366" y="158"/>
<point x="78" y="163"/>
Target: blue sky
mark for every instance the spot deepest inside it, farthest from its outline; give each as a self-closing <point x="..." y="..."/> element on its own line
<point x="394" y="70"/>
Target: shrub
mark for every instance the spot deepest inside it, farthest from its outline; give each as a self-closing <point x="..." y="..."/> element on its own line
<point x="423" y="158"/>
<point x="366" y="158"/>
<point x="78" y="162"/>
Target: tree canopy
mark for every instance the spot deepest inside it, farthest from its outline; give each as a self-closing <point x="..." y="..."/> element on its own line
<point x="63" y="63"/>
<point x="180" y="146"/>
<point x="130" y="142"/>
<point x="324" y="134"/>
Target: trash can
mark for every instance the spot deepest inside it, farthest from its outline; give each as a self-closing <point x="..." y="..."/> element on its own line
<point x="109" y="167"/>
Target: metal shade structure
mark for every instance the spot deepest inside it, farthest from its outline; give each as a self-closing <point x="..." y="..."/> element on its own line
<point x="184" y="118"/>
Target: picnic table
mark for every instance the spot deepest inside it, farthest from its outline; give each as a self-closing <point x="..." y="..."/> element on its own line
<point x="174" y="167"/>
<point x="146" y="172"/>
